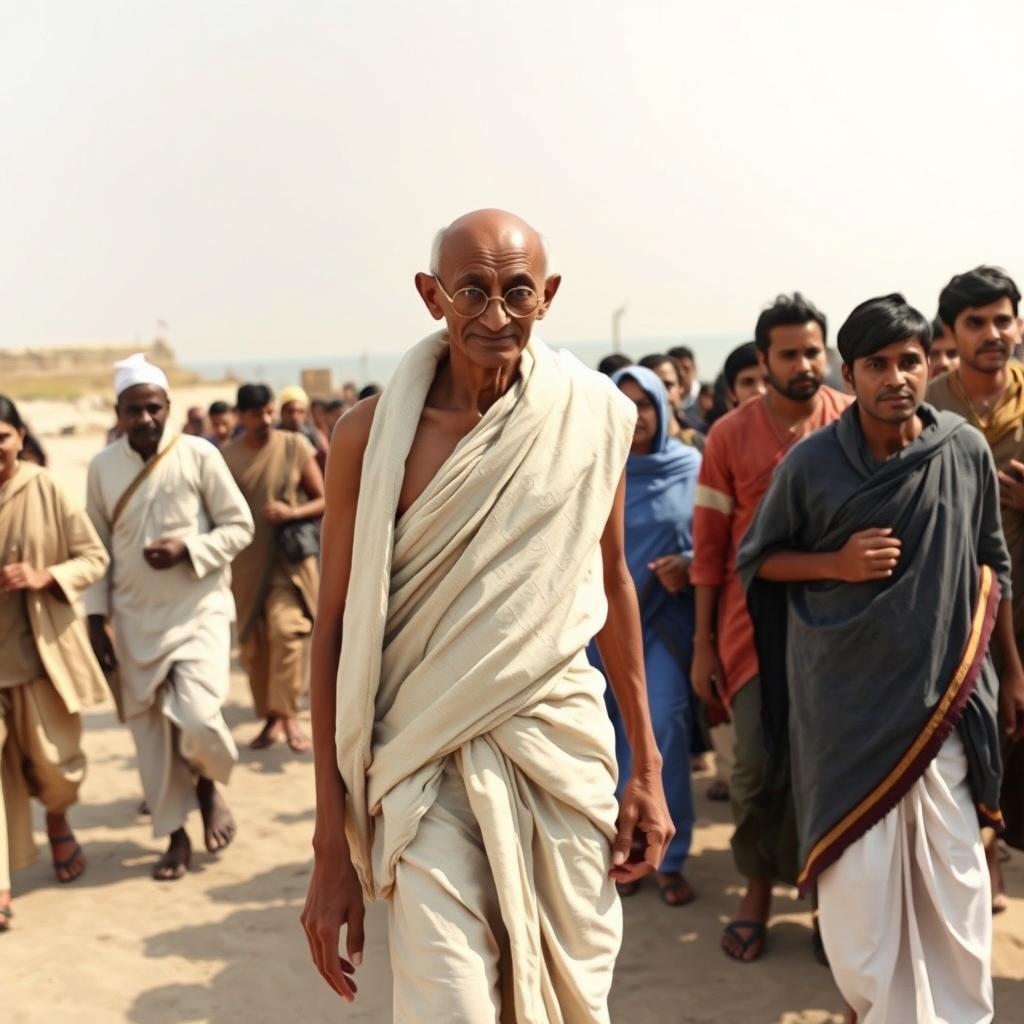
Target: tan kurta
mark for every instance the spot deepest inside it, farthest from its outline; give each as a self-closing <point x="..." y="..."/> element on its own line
<point x="46" y="529"/>
<point x="270" y="473"/>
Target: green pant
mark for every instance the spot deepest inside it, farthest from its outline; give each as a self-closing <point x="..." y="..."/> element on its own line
<point x="764" y="844"/>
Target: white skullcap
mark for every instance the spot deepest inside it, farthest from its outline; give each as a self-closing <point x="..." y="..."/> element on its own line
<point x="137" y="369"/>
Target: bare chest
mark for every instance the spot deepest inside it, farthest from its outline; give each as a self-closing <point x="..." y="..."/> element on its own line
<point x="437" y="436"/>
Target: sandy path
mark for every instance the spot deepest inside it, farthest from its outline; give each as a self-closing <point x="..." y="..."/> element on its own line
<point x="224" y="945"/>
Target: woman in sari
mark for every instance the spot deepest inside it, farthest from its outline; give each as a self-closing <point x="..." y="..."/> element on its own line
<point x="661" y="481"/>
<point x="49" y="554"/>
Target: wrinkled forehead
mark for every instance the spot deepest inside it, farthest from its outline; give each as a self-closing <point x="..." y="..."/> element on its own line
<point x="489" y="251"/>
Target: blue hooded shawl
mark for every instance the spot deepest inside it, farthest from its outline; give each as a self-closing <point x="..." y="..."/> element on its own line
<point x="660" y="491"/>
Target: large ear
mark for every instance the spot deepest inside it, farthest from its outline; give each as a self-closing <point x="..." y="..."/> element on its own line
<point x="551" y="286"/>
<point x="426" y="285"/>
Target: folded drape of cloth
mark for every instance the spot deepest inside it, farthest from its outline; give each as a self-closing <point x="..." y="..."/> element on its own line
<point x="464" y="631"/>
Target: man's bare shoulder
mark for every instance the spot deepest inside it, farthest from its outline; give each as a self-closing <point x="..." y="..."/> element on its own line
<point x="352" y="432"/>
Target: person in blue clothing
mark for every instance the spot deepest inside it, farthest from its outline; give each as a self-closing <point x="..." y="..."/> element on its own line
<point x="661" y="481"/>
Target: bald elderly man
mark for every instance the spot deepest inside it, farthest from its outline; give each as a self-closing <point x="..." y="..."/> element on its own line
<point x="465" y="766"/>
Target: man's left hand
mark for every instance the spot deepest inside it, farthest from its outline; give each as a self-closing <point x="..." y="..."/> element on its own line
<point x="277" y="512"/>
<point x="165" y="552"/>
<point x="1011" y="704"/>
<point x="23" y="576"/>
<point x="645" y="826"/>
<point x="1011" y="485"/>
<point x="673" y="572"/>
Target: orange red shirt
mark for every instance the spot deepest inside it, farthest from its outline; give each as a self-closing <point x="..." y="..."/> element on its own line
<point x="740" y="454"/>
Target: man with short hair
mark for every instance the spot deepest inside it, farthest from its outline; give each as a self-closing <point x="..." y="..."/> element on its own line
<point x="979" y="311"/>
<point x="689" y="383"/>
<point x="465" y="765"/>
<point x="172" y="520"/>
<point x="943" y="355"/>
<point x="744" y="374"/>
<point x="876" y="571"/>
<point x="333" y="411"/>
<point x="742" y="450"/>
<point x="222" y="423"/>
<point x="275" y="579"/>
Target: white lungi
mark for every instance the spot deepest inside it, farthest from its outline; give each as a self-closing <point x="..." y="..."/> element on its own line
<point x="905" y="912"/>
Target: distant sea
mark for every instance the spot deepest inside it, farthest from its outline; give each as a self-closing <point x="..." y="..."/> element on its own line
<point x="377" y="367"/>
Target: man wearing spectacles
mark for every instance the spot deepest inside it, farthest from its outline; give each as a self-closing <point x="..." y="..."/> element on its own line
<point x="472" y="545"/>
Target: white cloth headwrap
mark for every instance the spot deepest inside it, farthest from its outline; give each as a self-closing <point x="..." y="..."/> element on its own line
<point x="137" y="369"/>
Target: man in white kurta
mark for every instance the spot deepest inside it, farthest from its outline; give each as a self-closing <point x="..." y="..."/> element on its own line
<point x="172" y="519"/>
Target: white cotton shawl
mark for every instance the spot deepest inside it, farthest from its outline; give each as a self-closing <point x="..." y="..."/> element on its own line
<point x="466" y="620"/>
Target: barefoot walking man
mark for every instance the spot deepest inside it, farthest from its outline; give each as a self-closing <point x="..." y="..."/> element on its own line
<point x="742" y="450"/>
<point x="472" y="546"/>
<point x="877" y="571"/>
<point x="172" y="520"/>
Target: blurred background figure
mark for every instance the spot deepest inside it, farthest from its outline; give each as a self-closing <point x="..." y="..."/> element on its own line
<point x="616" y="361"/>
<point x="369" y="390"/>
<point x="295" y="417"/>
<point x="195" y="422"/>
<point x="222" y="423"/>
<point x="943" y="355"/>
<point x="333" y="412"/>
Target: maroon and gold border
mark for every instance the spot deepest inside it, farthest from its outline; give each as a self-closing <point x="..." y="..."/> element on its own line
<point x="912" y="764"/>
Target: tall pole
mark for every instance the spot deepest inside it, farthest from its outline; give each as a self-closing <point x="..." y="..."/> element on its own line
<point x="617" y="316"/>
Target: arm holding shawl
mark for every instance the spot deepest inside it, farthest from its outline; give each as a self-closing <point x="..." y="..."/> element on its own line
<point x="642" y="807"/>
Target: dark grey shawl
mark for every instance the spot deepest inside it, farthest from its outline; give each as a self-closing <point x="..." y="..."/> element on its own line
<point x="871" y="678"/>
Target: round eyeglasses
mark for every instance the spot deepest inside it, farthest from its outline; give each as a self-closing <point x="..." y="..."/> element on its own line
<point x="470" y="302"/>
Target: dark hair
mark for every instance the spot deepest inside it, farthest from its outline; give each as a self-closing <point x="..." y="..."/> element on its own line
<point x="652" y="362"/>
<point x="334" y="405"/>
<point x="317" y="403"/>
<point x="978" y="287"/>
<point x="218" y="408"/>
<point x="682" y="352"/>
<point x="32" y="451"/>
<point x="368" y="391"/>
<point x="254" y="396"/>
<point x="880" y="322"/>
<point x="785" y="311"/>
<point x="9" y="413"/>
<point x="938" y="328"/>
<point x="738" y="360"/>
<point x="613" y="363"/>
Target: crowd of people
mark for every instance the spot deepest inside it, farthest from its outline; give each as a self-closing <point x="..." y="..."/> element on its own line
<point x="817" y="547"/>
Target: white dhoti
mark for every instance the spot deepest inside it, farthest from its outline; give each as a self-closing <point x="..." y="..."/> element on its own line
<point x="181" y="732"/>
<point x="905" y="912"/>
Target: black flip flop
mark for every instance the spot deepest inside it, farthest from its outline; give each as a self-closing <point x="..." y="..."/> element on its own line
<point x="680" y="885"/>
<point x="63" y="865"/>
<point x="718" y="791"/>
<point x="626" y="889"/>
<point x="758" y="932"/>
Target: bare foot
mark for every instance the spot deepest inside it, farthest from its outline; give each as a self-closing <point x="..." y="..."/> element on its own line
<point x="5" y="910"/>
<point x="219" y="826"/>
<point x="298" y="741"/>
<point x="995" y="874"/>
<point x="271" y="733"/>
<point x="743" y="938"/>
<point x="68" y="859"/>
<point x="176" y="861"/>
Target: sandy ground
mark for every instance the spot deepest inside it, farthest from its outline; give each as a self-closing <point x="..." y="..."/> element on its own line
<point x="224" y="946"/>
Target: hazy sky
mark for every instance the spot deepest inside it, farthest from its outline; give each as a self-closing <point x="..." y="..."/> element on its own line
<point x="266" y="176"/>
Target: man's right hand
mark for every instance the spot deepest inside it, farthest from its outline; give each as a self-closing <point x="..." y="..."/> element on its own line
<point x="335" y="898"/>
<point x="706" y="671"/>
<point x="102" y="645"/>
<point x="868" y="555"/>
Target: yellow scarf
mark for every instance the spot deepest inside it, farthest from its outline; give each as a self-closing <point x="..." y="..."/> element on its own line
<point x="1006" y="415"/>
